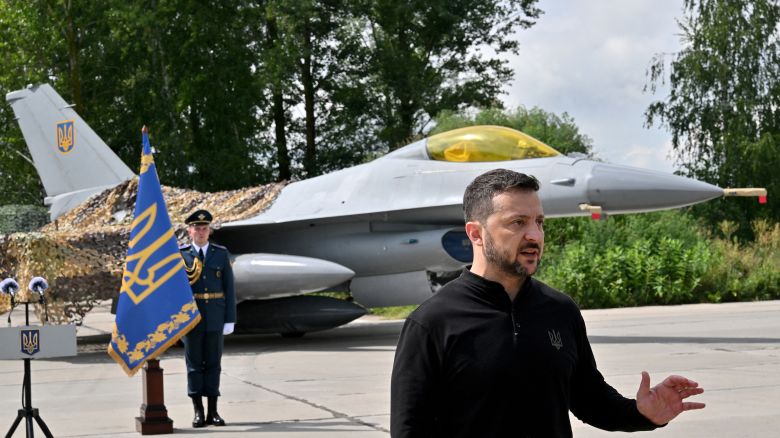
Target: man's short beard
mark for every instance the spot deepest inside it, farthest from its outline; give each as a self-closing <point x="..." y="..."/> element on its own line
<point x="504" y="262"/>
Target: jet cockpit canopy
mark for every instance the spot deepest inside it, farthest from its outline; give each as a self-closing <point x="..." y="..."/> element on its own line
<point x="486" y="143"/>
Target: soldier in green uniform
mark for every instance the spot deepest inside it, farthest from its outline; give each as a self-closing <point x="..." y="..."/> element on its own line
<point x="211" y="279"/>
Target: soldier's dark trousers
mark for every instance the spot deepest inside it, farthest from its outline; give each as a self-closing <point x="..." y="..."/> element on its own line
<point x="203" y="354"/>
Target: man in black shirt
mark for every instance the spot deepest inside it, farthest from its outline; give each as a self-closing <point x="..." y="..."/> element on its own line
<point x="496" y="353"/>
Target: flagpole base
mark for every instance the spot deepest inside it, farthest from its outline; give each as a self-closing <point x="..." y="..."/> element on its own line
<point x="154" y="415"/>
<point x="153" y="427"/>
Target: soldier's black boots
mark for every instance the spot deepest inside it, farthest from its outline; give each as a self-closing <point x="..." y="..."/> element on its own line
<point x="213" y="417"/>
<point x="199" y="419"/>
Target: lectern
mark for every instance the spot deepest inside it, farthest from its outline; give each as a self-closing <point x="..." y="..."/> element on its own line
<point x="34" y="342"/>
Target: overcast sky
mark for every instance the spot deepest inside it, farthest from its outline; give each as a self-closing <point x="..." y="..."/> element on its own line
<point x="589" y="59"/>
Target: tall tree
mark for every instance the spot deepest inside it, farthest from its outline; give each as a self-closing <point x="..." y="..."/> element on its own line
<point x="431" y="55"/>
<point x="185" y="67"/>
<point x="277" y="68"/>
<point x="28" y="43"/>
<point x="723" y="107"/>
<point x="314" y="62"/>
<point x="331" y="61"/>
<point x="244" y="93"/>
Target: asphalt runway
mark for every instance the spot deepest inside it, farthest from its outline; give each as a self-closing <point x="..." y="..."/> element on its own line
<point x="336" y="383"/>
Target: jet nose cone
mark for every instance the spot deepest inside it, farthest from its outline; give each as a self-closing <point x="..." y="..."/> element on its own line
<point x="624" y="189"/>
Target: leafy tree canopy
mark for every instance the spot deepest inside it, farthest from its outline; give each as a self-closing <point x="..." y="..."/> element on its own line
<point x="723" y="107"/>
<point x="246" y="92"/>
<point x="429" y="56"/>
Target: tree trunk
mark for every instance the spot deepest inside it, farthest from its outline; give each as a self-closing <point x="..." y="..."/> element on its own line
<point x="406" y="104"/>
<point x="160" y="63"/>
<point x="280" y="120"/>
<point x="71" y="38"/>
<point x="310" y="154"/>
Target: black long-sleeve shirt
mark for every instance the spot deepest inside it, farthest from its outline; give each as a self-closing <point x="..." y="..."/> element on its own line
<point x="472" y="363"/>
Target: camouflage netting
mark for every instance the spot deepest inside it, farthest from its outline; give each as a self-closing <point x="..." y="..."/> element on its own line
<point x="82" y="253"/>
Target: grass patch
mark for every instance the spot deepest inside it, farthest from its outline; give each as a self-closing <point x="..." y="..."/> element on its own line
<point x="346" y="296"/>
<point x="392" y="312"/>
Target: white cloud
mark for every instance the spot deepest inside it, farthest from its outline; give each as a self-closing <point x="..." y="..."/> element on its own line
<point x="658" y="157"/>
<point x="589" y="59"/>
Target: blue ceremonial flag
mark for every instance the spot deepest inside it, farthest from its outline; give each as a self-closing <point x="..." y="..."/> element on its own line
<point x="155" y="306"/>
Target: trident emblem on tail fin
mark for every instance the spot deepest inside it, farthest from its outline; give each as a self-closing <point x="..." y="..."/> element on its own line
<point x="66" y="136"/>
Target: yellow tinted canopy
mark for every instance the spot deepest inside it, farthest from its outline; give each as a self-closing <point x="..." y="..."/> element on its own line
<point x="486" y="143"/>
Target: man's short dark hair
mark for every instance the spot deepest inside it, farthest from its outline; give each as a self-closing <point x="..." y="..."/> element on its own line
<point x="478" y="199"/>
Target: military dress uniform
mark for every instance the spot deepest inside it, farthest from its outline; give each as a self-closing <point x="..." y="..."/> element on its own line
<point x="216" y="299"/>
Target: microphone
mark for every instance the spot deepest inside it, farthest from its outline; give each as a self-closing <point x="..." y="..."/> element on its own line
<point x="38" y="285"/>
<point x="9" y="286"/>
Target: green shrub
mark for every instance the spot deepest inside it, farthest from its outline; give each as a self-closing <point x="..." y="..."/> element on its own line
<point x="656" y="258"/>
<point x="22" y="218"/>
<point x="745" y="272"/>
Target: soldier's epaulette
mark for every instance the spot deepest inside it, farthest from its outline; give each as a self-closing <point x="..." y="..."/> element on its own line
<point x="218" y="246"/>
<point x="185" y="247"/>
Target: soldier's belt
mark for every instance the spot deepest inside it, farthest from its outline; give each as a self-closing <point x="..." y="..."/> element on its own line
<point x="209" y="296"/>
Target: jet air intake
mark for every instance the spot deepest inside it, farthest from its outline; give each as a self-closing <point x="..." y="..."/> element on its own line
<point x="457" y="244"/>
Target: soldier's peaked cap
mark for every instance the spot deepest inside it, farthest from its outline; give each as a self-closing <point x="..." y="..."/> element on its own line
<point x="200" y="217"/>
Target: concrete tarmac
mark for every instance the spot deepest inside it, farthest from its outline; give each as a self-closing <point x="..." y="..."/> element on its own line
<point x="336" y="383"/>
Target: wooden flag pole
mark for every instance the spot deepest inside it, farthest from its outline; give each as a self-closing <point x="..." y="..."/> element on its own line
<point x="154" y="415"/>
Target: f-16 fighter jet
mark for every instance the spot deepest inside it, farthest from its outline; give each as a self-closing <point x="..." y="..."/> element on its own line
<point x="388" y="229"/>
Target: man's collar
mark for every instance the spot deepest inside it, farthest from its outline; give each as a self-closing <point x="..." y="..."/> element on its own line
<point x="496" y="289"/>
<point x="204" y="247"/>
<point x="482" y="281"/>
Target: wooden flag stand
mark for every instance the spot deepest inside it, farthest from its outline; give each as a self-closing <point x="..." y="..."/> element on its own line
<point x="154" y="415"/>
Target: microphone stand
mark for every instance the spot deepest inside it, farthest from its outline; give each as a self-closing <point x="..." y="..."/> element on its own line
<point x="28" y="412"/>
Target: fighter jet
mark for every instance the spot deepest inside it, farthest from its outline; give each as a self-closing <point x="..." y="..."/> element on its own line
<point x="390" y="231"/>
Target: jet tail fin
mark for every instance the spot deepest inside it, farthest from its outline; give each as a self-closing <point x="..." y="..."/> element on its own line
<point x="72" y="161"/>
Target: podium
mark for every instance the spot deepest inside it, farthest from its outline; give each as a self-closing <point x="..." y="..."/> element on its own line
<point x="34" y="342"/>
<point x="37" y="341"/>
